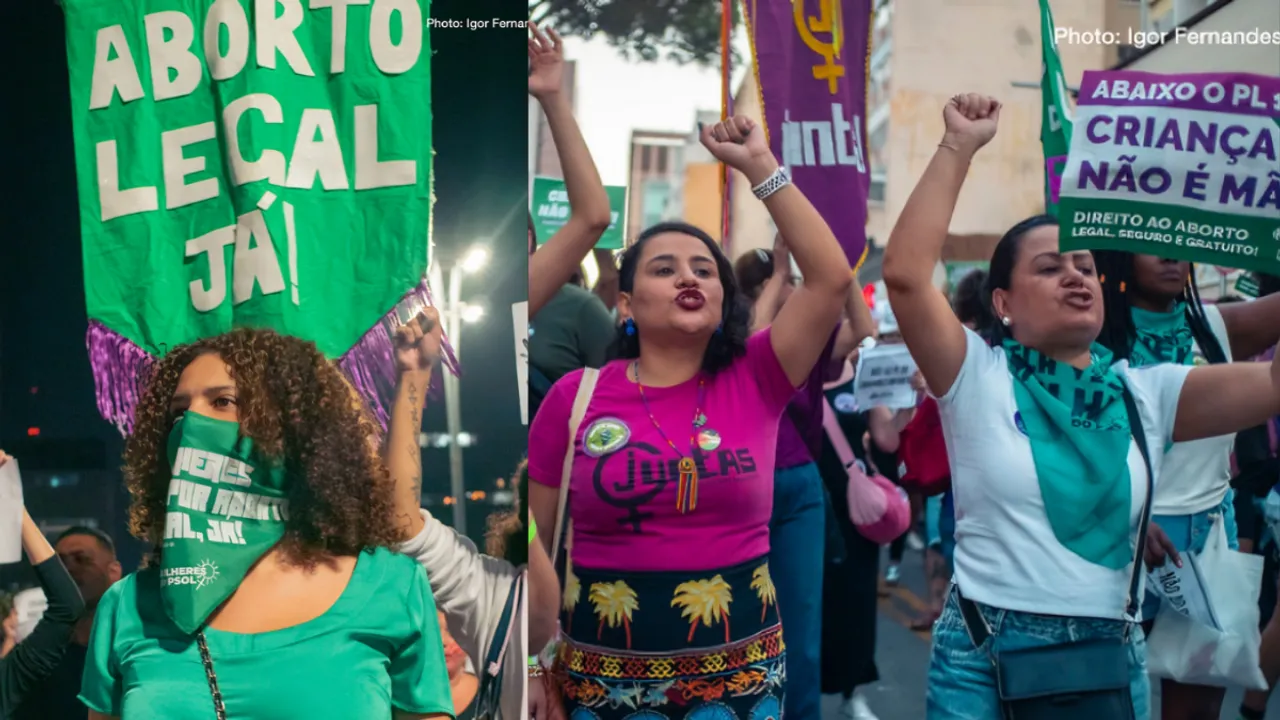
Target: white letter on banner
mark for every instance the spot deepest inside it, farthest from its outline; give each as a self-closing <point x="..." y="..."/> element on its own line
<point x="311" y="156"/>
<point x="792" y="155"/>
<point x="338" y="46"/>
<point x="175" y="55"/>
<point x="202" y="299"/>
<point x="254" y="264"/>
<point x="270" y="166"/>
<point x="114" y="201"/>
<point x="826" y="146"/>
<point x="177" y="166"/>
<point x="370" y="172"/>
<point x="276" y="33"/>
<point x="395" y="59"/>
<point x="230" y="14"/>
<point x="111" y="75"/>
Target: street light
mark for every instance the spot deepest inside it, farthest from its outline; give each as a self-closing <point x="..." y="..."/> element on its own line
<point x="454" y="313"/>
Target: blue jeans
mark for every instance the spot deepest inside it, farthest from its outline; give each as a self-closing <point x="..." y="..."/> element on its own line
<point x="797" y="534"/>
<point x="1190" y="533"/>
<point x="962" y="678"/>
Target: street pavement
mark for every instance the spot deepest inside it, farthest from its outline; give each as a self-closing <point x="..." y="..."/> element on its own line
<point x="902" y="655"/>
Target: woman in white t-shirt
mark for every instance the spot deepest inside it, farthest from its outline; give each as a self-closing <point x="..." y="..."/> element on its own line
<point x="1154" y="315"/>
<point x="1049" y="485"/>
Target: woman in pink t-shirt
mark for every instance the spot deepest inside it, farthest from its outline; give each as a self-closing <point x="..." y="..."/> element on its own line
<point x="667" y="600"/>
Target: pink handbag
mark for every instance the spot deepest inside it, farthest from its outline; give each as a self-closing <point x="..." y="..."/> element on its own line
<point x="879" y="509"/>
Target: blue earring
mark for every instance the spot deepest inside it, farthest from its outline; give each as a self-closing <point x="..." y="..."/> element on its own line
<point x="629" y="327"/>
<point x="720" y="329"/>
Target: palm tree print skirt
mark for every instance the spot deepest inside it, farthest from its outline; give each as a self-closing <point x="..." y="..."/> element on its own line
<point x="703" y="645"/>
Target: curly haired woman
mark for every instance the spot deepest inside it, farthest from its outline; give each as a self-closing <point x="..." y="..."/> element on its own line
<point x="255" y="480"/>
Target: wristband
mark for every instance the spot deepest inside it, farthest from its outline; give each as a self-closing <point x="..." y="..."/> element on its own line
<point x="533" y="529"/>
<point x="772" y="184"/>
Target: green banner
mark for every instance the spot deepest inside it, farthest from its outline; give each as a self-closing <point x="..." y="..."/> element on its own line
<point x="250" y="164"/>
<point x="1247" y="285"/>
<point x="549" y="205"/>
<point x="1055" y="120"/>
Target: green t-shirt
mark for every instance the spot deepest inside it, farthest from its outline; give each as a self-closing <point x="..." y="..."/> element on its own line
<point x="379" y="646"/>
<point x="572" y="331"/>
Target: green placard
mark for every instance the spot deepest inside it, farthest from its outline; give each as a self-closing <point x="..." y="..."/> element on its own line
<point x="549" y="205"/>
<point x="1247" y="285"/>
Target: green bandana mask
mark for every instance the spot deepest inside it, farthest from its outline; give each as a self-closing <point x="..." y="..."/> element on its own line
<point x="1079" y="431"/>
<point x="1162" y="338"/>
<point x="227" y="508"/>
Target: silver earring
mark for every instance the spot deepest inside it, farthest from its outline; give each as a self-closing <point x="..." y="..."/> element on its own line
<point x="1006" y="321"/>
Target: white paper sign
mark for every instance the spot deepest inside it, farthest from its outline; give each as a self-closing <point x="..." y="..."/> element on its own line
<point x="520" y="319"/>
<point x="30" y="604"/>
<point x="10" y="512"/>
<point x="884" y="378"/>
<point x="1183" y="588"/>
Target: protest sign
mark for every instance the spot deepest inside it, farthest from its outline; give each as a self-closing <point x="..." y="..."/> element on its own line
<point x="278" y="177"/>
<point x="1247" y="286"/>
<point x="810" y="58"/>
<point x="30" y="604"/>
<point x="11" y="506"/>
<point x="520" y="320"/>
<point x="549" y="205"/>
<point x="1055" y="118"/>
<point x="1184" y="589"/>
<point x="1179" y="166"/>
<point x="883" y="378"/>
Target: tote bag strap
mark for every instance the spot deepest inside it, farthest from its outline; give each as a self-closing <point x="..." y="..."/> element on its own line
<point x="835" y="434"/>
<point x="586" y="388"/>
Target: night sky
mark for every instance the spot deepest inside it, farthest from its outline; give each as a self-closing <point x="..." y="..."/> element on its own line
<point x="479" y="102"/>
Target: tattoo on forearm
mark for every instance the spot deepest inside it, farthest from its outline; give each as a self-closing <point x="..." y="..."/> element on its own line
<point x="412" y="446"/>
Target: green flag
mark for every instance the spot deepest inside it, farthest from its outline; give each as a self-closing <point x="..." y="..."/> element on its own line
<point x="238" y="167"/>
<point x="1055" y="121"/>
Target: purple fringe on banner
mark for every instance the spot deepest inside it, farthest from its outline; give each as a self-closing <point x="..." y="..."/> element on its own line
<point x="120" y="367"/>
<point x="371" y="363"/>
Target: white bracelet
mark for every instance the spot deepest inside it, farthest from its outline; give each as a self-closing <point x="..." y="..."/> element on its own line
<point x="772" y="184"/>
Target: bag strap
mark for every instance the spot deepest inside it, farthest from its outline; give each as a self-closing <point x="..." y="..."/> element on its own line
<point x="220" y="710"/>
<point x="586" y="388"/>
<point x="835" y="434"/>
<point x="487" y="698"/>
<point x="976" y="624"/>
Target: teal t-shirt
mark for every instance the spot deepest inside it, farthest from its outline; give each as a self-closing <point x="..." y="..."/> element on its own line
<point x="378" y="647"/>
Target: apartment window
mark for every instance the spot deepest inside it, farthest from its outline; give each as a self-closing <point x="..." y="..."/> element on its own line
<point x="653" y="203"/>
<point x="646" y="157"/>
<point x="662" y="160"/>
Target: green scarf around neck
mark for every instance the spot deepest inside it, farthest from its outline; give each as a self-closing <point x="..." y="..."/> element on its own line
<point x="227" y="508"/>
<point x="1162" y="337"/>
<point x="1079" y="430"/>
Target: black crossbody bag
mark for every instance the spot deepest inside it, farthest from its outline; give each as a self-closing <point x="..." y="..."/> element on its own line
<point x="1070" y="681"/>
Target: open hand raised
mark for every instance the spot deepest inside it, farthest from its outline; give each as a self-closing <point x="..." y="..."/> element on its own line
<point x="546" y="62"/>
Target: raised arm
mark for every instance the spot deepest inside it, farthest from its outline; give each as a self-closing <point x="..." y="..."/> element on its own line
<point x="1254" y="327"/>
<point x="803" y="325"/>
<point x="770" y="301"/>
<point x="858" y="324"/>
<point x="1225" y="399"/>
<point x="928" y="325"/>
<point x="417" y="347"/>
<point x="589" y="215"/>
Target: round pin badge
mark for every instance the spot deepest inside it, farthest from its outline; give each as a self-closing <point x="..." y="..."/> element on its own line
<point x="604" y="436"/>
<point x="708" y="440"/>
<point x="846" y="404"/>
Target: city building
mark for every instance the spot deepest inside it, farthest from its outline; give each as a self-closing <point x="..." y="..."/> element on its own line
<point x="654" y="176"/>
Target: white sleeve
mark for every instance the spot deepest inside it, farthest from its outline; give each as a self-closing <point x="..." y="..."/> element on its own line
<point x="980" y="361"/>
<point x="470" y="587"/>
<point x="1161" y="386"/>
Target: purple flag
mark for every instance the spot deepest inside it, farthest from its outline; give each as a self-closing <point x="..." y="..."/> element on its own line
<point x="811" y="61"/>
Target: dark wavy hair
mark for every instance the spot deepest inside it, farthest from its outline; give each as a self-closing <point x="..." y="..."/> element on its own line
<point x="730" y="340"/>
<point x="752" y="271"/>
<point x="1000" y="273"/>
<point x="508" y="535"/>
<point x="1115" y="272"/>
<point x="969" y="301"/>
<point x="300" y="412"/>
